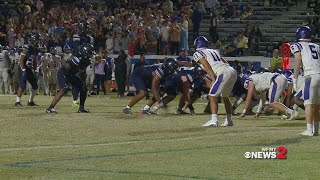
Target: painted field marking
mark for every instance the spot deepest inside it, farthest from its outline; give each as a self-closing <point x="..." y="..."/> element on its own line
<point x="126" y="142"/>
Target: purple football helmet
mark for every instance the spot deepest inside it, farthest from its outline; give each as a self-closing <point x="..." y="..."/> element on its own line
<point x="201" y="42"/>
<point x="303" y="33"/>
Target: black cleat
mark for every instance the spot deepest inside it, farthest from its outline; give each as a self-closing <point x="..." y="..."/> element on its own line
<point x="126" y="110"/>
<point x="52" y="110"/>
<point x="18" y="104"/>
<point x="82" y="110"/>
<point x="32" y="104"/>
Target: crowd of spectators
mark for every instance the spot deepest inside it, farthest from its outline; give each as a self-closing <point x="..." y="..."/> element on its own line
<point x="161" y="27"/>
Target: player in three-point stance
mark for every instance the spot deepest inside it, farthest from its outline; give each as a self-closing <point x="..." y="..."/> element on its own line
<point x="307" y="55"/>
<point x="225" y="77"/>
<point x="275" y="84"/>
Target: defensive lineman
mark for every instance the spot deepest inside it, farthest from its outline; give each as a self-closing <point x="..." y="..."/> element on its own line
<point x="307" y="54"/>
<point x="225" y="77"/>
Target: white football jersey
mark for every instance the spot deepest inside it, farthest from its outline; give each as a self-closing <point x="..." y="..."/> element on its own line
<point x="310" y="54"/>
<point x="213" y="57"/>
<point x="262" y="81"/>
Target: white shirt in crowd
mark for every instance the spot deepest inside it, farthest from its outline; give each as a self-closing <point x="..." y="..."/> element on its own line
<point x="184" y="25"/>
<point x="165" y="32"/>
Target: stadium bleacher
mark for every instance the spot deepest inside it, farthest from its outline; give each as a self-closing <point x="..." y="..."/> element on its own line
<point x="275" y="22"/>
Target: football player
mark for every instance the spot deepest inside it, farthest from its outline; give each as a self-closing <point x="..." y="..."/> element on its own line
<point x="27" y="67"/>
<point x="307" y="55"/>
<point x="225" y="77"/>
<point x="72" y="73"/>
<point x="261" y="83"/>
<point x="149" y="77"/>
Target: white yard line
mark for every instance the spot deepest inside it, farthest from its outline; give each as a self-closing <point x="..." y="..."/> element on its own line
<point x="125" y="142"/>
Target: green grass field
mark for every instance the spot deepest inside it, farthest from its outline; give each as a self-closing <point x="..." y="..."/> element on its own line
<point x="107" y="144"/>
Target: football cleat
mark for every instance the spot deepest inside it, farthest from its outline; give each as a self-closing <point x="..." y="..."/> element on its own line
<point x="307" y="133"/>
<point x="192" y="112"/>
<point x="293" y="116"/>
<point x="82" y="110"/>
<point x="146" y="111"/>
<point x="212" y="122"/>
<point x="32" y="103"/>
<point x="75" y="104"/>
<point x="126" y="110"/>
<point x="18" y="104"/>
<point x="226" y="123"/>
<point x="179" y="111"/>
<point x="52" y="110"/>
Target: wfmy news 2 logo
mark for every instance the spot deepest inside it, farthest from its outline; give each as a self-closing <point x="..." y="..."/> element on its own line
<point x="268" y="153"/>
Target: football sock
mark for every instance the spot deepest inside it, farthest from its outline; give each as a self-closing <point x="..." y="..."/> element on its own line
<point x="229" y="117"/>
<point x="240" y="100"/>
<point x="214" y="117"/>
<point x="128" y="107"/>
<point x="51" y="106"/>
<point x="309" y="127"/>
<point x="191" y="107"/>
<point x="32" y="95"/>
<point x="83" y="97"/>
<point x="146" y="107"/>
<point x="294" y="107"/>
<point x="75" y="94"/>
<point x="18" y="99"/>
<point x="315" y="126"/>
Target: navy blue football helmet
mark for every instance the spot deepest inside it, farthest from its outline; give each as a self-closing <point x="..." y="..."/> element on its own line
<point x="170" y="66"/>
<point x="303" y="33"/>
<point x="201" y="42"/>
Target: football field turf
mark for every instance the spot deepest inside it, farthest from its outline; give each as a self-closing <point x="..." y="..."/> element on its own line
<point x="107" y="144"/>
